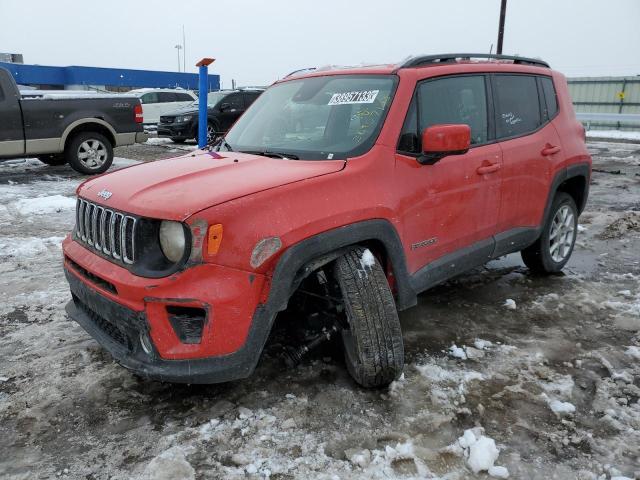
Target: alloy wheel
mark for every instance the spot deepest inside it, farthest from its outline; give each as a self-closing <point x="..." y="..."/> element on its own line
<point x="562" y="234"/>
<point x="92" y="153"/>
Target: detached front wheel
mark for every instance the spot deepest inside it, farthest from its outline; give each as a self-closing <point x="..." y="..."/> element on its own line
<point x="373" y="347"/>
<point x="89" y="153"/>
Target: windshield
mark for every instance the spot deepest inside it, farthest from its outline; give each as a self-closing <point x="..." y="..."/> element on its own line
<point x="329" y="117"/>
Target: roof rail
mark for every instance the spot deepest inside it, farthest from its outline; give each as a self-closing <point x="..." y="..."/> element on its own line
<point x="301" y="70"/>
<point x="453" y="57"/>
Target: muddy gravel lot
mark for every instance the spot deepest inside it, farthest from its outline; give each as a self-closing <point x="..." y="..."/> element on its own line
<point x="537" y="375"/>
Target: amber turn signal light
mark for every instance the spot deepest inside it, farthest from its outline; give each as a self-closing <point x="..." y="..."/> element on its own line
<point x="214" y="238"/>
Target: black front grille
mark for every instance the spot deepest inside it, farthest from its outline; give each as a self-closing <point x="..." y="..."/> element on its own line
<point x="103" y="324"/>
<point x="107" y="231"/>
<point x="167" y="119"/>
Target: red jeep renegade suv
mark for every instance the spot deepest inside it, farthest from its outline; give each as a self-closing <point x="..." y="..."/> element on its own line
<point x="345" y="192"/>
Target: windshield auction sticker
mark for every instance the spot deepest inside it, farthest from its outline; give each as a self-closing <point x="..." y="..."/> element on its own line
<point x="348" y="98"/>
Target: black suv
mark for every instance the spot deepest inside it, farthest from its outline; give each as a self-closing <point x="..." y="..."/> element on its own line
<point x="223" y="109"/>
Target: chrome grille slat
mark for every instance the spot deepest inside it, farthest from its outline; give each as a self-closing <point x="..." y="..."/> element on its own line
<point x="107" y="231"/>
<point x="97" y="233"/>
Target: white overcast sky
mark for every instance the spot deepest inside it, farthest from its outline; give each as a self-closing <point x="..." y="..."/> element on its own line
<point x="258" y="41"/>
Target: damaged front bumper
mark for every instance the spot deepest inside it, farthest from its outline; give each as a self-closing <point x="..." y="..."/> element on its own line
<point x="135" y="318"/>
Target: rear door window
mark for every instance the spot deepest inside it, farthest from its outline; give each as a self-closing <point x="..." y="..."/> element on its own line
<point x="460" y="100"/>
<point x="517" y="105"/>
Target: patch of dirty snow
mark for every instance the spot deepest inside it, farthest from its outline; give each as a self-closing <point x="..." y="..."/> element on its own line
<point x="44" y="205"/>
<point x="21" y="247"/>
<point x="633" y="352"/>
<point x="480" y="452"/>
<point x="482" y="344"/>
<point x="510" y="304"/>
<point x="367" y="259"/>
<point x="457" y="352"/>
<point x="561" y="408"/>
<point x="169" y="465"/>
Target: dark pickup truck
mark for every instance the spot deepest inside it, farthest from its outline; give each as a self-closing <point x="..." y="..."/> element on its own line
<point x="61" y="127"/>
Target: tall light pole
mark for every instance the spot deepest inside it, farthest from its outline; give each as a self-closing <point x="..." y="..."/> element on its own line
<point x="184" y="54"/>
<point x="178" y="48"/>
<point x="503" y="11"/>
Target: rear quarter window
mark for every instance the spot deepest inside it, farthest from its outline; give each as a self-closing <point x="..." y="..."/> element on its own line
<point x="151" y="97"/>
<point x="517" y="105"/>
<point x="550" y="98"/>
<point x="183" y="97"/>
<point x="167" y="97"/>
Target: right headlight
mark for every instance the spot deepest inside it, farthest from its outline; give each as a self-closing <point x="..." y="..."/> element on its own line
<point x="172" y="240"/>
<point x="184" y="118"/>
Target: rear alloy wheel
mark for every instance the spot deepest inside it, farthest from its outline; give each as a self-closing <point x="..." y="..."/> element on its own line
<point x="373" y="347"/>
<point x="90" y="153"/>
<point x="551" y="252"/>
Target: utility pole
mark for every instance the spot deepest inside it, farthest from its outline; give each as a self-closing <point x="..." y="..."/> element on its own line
<point x="184" y="54"/>
<point x="503" y="11"/>
<point x="178" y="48"/>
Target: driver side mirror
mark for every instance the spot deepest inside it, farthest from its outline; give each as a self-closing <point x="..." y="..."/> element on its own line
<point x="439" y="141"/>
<point x="225" y="106"/>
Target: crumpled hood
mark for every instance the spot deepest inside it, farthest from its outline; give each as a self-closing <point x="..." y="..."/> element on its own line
<point x="176" y="188"/>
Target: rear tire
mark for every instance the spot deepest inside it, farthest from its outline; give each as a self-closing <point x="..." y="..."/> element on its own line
<point x="550" y="253"/>
<point x="53" y="160"/>
<point x="90" y="153"/>
<point x="373" y="347"/>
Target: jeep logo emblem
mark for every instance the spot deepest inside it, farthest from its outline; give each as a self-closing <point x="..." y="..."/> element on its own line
<point x="106" y="194"/>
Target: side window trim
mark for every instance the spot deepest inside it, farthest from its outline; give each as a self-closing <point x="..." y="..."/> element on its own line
<point x="491" y="135"/>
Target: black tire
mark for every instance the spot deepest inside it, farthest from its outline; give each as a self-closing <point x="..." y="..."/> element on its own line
<point x="77" y="147"/>
<point x="53" y="160"/>
<point x="539" y="257"/>
<point x="178" y="140"/>
<point x="373" y="347"/>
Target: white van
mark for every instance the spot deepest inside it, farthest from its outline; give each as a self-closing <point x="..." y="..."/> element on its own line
<point x="158" y="101"/>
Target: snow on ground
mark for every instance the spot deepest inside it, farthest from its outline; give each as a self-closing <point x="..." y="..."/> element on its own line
<point x="44" y="205"/>
<point x="547" y="390"/>
<point x="614" y="134"/>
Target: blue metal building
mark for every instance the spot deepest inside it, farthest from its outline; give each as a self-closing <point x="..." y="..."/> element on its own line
<point x="79" y="77"/>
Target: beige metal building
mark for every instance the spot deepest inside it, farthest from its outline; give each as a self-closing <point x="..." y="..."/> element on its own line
<point x="606" y="95"/>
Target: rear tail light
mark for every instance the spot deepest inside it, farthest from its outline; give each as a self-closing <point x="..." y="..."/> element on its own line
<point x="138" y="113"/>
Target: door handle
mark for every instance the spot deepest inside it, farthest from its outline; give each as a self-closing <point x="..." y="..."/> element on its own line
<point x="491" y="168"/>
<point x="549" y="150"/>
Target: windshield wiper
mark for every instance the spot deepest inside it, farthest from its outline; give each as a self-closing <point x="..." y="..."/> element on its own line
<point x="270" y="154"/>
<point x="222" y="142"/>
